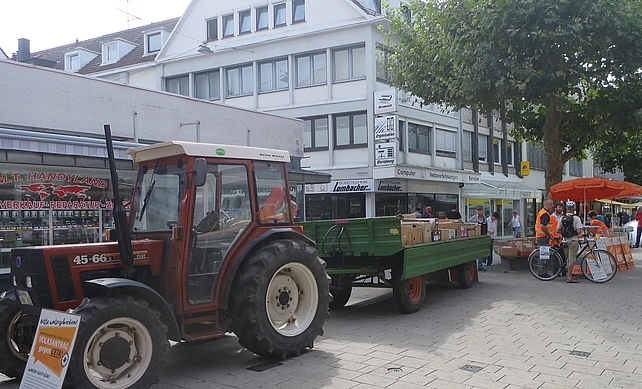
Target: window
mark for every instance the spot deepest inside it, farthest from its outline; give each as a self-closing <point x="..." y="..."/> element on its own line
<point x="72" y="62"/>
<point x="311" y="69"/>
<point x="245" y="22"/>
<point x="273" y="75"/>
<point x="445" y="143"/>
<point x="349" y="64"/>
<point x="467" y="146"/>
<point x="178" y="85"/>
<point x="406" y="13"/>
<point x="212" y="29"/>
<point x="482" y="147"/>
<point x="298" y="11"/>
<point x="111" y="52"/>
<point x="154" y="42"/>
<point x="383" y="56"/>
<point x="315" y="133"/>
<point x="261" y="18"/>
<point x="351" y="130"/>
<point x="240" y="81"/>
<point x="536" y="156"/>
<point x="279" y="14"/>
<point x="497" y="153"/>
<point x="510" y="156"/>
<point x="274" y="198"/>
<point x="228" y="26"/>
<point x="207" y="85"/>
<point x="575" y="168"/>
<point x="372" y="5"/>
<point x="418" y="138"/>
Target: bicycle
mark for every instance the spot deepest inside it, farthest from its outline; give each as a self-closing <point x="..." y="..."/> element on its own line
<point x="597" y="265"/>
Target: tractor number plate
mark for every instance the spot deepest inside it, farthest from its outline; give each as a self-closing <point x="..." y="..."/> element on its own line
<point x="24" y="297"/>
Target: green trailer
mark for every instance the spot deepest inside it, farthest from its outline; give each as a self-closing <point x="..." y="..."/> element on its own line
<point x="369" y="252"/>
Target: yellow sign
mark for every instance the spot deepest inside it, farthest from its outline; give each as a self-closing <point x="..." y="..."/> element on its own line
<point x="525" y="168"/>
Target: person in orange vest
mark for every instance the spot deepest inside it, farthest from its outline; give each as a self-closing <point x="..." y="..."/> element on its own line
<point x="545" y="223"/>
<point x="601" y="229"/>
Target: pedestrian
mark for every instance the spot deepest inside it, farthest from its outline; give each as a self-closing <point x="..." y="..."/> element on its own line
<point x="418" y="212"/>
<point x="491" y="222"/>
<point x="516" y="223"/>
<point x="480" y="218"/>
<point x="454" y="213"/>
<point x="599" y="227"/>
<point x="559" y="210"/>
<point x="427" y="213"/>
<point x="638" y="218"/>
<point x="545" y="223"/>
<point x="599" y="217"/>
<point x="625" y="218"/>
<point x="570" y="227"/>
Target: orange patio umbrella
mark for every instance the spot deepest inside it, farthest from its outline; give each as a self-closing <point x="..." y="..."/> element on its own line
<point x="591" y="188"/>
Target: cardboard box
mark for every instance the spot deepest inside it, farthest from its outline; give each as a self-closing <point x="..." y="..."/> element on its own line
<point x="448" y="233"/>
<point x="478" y="230"/>
<point x="525" y="247"/>
<point x="417" y="234"/>
<point x="406" y="234"/>
<point x="508" y="251"/>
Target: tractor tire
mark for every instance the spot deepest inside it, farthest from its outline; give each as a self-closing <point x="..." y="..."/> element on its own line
<point x="466" y="274"/>
<point x="409" y="294"/>
<point x="341" y="290"/>
<point x="121" y="343"/>
<point x="279" y="299"/>
<point x="17" y="331"/>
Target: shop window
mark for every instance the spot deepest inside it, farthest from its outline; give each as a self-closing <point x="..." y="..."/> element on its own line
<point x="315" y="133"/>
<point x="273" y="75"/>
<point x="207" y="85"/>
<point x="178" y="85"/>
<point x="349" y="64"/>
<point x="311" y="69"/>
<point x="418" y="138"/>
<point x="351" y="130"/>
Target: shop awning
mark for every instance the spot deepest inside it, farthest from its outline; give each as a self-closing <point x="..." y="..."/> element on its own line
<point x="301" y="176"/>
<point x="500" y="189"/>
<point x="623" y="205"/>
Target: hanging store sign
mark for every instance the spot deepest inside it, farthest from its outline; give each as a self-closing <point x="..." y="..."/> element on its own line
<point x="385" y="128"/>
<point x="386" y="154"/>
<point x="385" y="101"/>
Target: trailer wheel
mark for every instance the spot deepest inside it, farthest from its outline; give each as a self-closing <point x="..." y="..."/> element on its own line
<point x="409" y="294"/>
<point x="341" y="290"/>
<point x="466" y="274"/>
<point x="120" y="344"/>
<point x="279" y="300"/>
<point x="17" y="331"/>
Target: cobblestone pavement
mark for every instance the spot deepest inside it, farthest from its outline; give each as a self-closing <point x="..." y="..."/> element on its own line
<point x="508" y="331"/>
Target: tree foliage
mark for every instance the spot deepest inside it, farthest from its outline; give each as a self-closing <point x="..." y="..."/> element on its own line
<point x="565" y="72"/>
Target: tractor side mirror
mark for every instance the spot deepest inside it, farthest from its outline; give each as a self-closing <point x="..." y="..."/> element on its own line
<point x="200" y="172"/>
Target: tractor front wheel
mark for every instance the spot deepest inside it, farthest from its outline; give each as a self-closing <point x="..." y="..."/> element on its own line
<point x="17" y="331"/>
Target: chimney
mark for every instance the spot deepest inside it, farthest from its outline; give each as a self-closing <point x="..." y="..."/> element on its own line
<point x="24" y="51"/>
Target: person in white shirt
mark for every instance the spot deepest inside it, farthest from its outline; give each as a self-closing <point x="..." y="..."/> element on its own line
<point x="516" y="223"/>
<point x="491" y="221"/>
<point x="572" y="236"/>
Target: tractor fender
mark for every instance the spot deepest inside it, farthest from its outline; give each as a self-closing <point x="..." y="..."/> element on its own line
<point x="117" y="286"/>
<point x="268" y="236"/>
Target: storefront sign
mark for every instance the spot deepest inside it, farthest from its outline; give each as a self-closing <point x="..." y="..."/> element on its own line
<point x="51" y="350"/>
<point x="385" y="101"/>
<point x="385" y="128"/>
<point x="386" y="153"/>
<point x="344" y="186"/>
<point x="19" y="204"/>
<point x="390" y="186"/>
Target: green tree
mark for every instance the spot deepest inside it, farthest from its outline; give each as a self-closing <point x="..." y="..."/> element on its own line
<point x="564" y="72"/>
<point x="622" y="151"/>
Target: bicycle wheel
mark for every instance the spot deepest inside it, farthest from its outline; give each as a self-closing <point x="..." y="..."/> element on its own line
<point x="545" y="269"/>
<point x="599" y="266"/>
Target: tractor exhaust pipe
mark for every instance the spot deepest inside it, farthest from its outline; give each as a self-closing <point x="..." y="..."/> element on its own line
<point x="120" y="215"/>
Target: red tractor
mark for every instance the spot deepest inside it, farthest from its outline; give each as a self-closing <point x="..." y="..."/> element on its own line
<point x="209" y="247"/>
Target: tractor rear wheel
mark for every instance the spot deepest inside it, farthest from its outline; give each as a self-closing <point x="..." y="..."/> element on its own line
<point x="120" y="344"/>
<point x="17" y="331"/>
<point x="409" y="294"/>
<point x="466" y="274"/>
<point x="279" y="300"/>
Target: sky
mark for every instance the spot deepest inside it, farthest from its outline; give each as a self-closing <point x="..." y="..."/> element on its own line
<point x="51" y="23"/>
